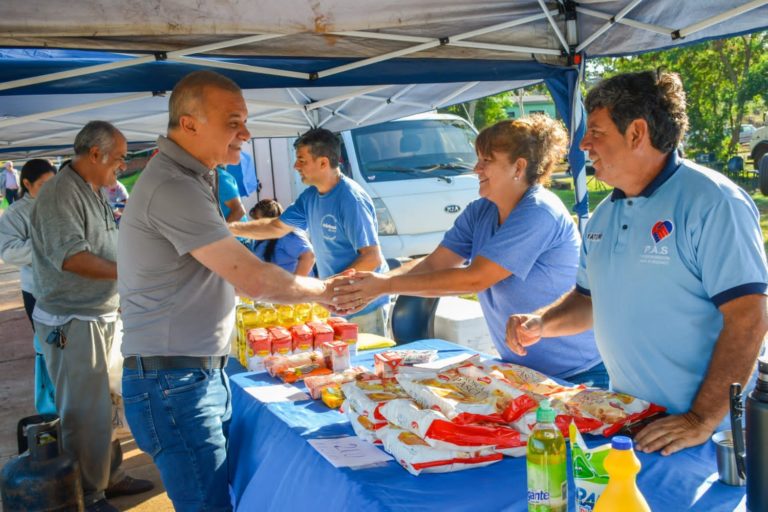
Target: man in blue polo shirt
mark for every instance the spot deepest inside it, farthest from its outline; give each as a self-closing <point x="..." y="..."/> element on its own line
<point x="338" y="215"/>
<point x="672" y="274"/>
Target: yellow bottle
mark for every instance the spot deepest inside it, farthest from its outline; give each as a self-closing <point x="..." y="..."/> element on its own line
<point x="285" y="315"/>
<point x="622" y="493"/>
<point x="319" y="313"/>
<point x="302" y="313"/>
<point x="266" y="316"/>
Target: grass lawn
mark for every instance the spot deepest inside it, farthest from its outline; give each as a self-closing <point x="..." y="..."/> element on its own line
<point x="130" y="181"/>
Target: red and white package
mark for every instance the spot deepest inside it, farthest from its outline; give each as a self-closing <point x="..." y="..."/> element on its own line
<point x="523" y="377"/>
<point x="386" y="364"/>
<point x="296" y="367"/>
<point x="417" y="456"/>
<point x="365" y="428"/>
<point x="302" y="338"/>
<point x="322" y="333"/>
<point x="282" y="343"/>
<point x="613" y="410"/>
<point x="260" y="347"/>
<point x="434" y="428"/>
<point x="346" y="332"/>
<point x="316" y="384"/>
<point x="366" y="394"/>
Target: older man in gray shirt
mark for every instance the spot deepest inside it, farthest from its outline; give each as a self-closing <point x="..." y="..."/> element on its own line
<point x="178" y="266"/>
<point x="74" y="244"/>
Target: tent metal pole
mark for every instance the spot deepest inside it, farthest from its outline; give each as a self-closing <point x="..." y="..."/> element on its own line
<point x="234" y="66"/>
<point x="333" y="113"/>
<point x="599" y="32"/>
<point x="503" y="26"/>
<point x="73" y="132"/>
<point x="354" y="94"/>
<point x="282" y="125"/>
<point x="625" y="21"/>
<point x="385" y="37"/>
<point x="552" y="22"/>
<point x="505" y="48"/>
<point x="736" y="11"/>
<point x="90" y="70"/>
<point x="76" y="108"/>
<point x="464" y="88"/>
<point x="380" y="58"/>
<point x="303" y="106"/>
<point x="274" y="104"/>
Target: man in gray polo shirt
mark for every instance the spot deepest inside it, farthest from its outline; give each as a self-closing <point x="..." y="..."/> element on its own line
<point x="178" y="266"/>
<point x="74" y="242"/>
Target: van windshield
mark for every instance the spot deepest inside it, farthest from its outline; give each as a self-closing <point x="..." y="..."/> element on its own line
<point x="420" y="148"/>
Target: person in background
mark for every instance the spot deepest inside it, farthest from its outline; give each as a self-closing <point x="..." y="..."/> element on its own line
<point x="117" y="197"/>
<point x="521" y="242"/>
<point x="229" y="197"/>
<point x="11" y="182"/>
<point x="293" y="252"/>
<point x="16" y="249"/>
<point x="74" y="245"/>
<point x="672" y="274"/>
<point x="339" y="217"/>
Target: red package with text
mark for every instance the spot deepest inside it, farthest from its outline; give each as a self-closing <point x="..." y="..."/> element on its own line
<point x="386" y="364"/>
<point x="302" y="338"/>
<point x="336" y="320"/>
<point x="259" y="346"/>
<point x="346" y="332"/>
<point x="322" y="333"/>
<point x="524" y="378"/>
<point x="315" y="385"/>
<point x="434" y="428"/>
<point x="417" y="456"/>
<point x="339" y="355"/>
<point x="518" y="407"/>
<point x="613" y="410"/>
<point x="448" y="391"/>
<point x="365" y="428"/>
<point x="366" y="394"/>
<point x="280" y="337"/>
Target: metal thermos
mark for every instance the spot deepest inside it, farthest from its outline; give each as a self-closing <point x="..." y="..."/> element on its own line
<point x="754" y="456"/>
<point x="42" y="478"/>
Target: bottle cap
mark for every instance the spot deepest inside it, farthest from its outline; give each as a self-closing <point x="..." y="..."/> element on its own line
<point x="545" y="413"/>
<point x="621" y="443"/>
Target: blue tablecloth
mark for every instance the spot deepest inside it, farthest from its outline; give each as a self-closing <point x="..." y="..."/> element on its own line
<point x="274" y="468"/>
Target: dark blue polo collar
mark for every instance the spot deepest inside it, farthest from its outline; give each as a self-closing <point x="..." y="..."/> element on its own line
<point x="673" y="163"/>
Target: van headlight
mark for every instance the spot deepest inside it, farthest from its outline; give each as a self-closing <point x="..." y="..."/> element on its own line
<point x="386" y="223"/>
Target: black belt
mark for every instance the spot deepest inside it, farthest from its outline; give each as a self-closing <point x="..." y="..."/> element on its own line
<point x="150" y="363"/>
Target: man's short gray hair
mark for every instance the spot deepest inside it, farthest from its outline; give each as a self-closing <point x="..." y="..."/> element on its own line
<point x="187" y="96"/>
<point x="100" y="134"/>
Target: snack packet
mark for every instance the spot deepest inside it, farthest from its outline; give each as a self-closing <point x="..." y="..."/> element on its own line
<point x="416" y="456"/>
<point x="315" y="385"/>
<point x="589" y="473"/>
<point x="365" y="428"/>
<point x="367" y="393"/>
<point x="613" y="410"/>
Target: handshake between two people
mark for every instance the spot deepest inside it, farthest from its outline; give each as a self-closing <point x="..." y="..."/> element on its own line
<point x="351" y="291"/>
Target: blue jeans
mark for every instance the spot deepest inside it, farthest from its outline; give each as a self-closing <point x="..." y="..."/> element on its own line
<point x="596" y="377"/>
<point x="181" y="418"/>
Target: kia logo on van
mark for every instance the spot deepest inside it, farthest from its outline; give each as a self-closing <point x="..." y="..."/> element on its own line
<point x="452" y="208"/>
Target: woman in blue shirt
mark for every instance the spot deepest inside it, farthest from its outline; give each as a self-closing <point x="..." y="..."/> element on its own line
<point x="292" y="252"/>
<point x="521" y="244"/>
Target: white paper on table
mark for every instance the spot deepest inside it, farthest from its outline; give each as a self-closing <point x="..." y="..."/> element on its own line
<point x="349" y="452"/>
<point x="276" y="393"/>
<point x="442" y="363"/>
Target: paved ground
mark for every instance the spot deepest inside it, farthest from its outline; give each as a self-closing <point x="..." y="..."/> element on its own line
<point x="17" y="388"/>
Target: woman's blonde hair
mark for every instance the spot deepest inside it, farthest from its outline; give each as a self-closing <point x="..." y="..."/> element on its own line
<point x="540" y="140"/>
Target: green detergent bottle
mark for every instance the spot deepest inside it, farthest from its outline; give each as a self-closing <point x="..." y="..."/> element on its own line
<point x="546" y="464"/>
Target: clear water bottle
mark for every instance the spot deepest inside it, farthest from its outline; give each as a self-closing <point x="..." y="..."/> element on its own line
<point x="546" y="464"/>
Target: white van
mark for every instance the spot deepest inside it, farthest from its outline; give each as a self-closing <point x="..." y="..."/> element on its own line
<point x="418" y="170"/>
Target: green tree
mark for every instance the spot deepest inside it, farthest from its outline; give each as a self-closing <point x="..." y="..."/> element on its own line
<point x="484" y="111"/>
<point x="721" y="78"/>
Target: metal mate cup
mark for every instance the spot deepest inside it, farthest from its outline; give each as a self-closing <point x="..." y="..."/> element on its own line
<point x="726" y="459"/>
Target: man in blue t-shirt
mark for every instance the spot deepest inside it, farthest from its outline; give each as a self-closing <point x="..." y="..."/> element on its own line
<point x="672" y="274"/>
<point x="338" y="215"/>
<point x="229" y="196"/>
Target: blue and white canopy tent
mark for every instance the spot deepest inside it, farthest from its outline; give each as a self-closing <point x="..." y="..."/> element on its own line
<point x="339" y="64"/>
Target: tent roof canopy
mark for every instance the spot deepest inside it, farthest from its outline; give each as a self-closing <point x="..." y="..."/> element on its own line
<point x="338" y="64"/>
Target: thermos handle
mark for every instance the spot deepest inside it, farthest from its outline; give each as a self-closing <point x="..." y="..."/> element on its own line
<point x="737" y="411"/>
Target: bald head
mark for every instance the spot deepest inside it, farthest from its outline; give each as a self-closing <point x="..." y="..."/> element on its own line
<point x="188" y="96"/>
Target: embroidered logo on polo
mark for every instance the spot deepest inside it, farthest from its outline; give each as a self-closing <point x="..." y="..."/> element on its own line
<point x="330" y="226"/>
<point x="594" y="237"/>
<point x="658" y="253"/>
<point x="661" y="230"/>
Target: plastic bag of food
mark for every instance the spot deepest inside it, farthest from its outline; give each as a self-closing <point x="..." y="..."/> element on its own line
<point x="367" y="393"/>
<point x="365" y="428"/>
<point x="434" y="428"/>
<point x="524" y="378"/>
<point x="295" y="367"/>
<point x="613" y="410"/>
<point x="315" y="385"/>
<point x="417" y="456"/>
